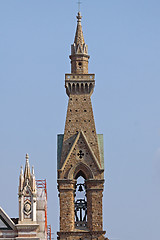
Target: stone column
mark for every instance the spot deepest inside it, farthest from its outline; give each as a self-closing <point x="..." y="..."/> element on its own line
<point x="94" y="204"/>
<point x="66" y="197"/>
<point x="21" y="206"/>
<point x="34" y="208"/>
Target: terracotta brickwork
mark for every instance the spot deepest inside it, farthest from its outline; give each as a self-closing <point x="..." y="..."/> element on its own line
<point x="80" y="153"/>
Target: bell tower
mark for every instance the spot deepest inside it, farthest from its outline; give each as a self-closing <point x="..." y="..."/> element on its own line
<point x="80" y="158"/>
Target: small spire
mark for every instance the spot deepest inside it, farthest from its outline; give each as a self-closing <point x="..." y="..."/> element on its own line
<point x="32" y="170"/>
<point x="21" y="172"/>
<point x="79" y="39"/>
<point x="27" y="173"/>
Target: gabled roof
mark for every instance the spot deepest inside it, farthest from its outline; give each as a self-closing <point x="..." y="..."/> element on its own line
<point x="81" y="133"/>
<point x="5" y="221"/>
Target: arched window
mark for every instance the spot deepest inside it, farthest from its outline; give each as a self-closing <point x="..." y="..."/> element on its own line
<point x="80" y="202"/>
<point x="73" y="88"/>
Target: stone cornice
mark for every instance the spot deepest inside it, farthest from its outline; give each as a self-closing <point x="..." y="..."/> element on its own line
<point x="66" y="181"/>
<point x="27" y="226"/>
<point x="95" y="181"/>
<point x="81" y="233"/>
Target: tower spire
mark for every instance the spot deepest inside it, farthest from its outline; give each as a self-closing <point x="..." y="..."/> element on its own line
<point x="79" y="51"/>
<point x="79" y="38"/>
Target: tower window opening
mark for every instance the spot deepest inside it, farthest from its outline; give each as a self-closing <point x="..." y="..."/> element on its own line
<point x="80" y="64"/>
<point x="80" y="204"/>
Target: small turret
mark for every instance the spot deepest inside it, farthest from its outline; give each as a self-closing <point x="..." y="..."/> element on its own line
<point x="27" y="194"/>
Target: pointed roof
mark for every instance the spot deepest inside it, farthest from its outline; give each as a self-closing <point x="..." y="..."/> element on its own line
<point x="27" y="173"/>
<point x="79" y="46"/>
<point x="79" y="39"/>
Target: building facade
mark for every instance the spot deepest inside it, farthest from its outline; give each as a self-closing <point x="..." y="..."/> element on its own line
<point x="80" y="153"/>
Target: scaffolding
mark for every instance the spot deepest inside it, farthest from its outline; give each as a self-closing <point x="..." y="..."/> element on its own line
<point x="41" y="184"/>
<point x="49" y="232"/>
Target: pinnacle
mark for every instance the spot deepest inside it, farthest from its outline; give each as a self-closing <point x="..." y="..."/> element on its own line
<point x="21" y="172"/>
<point x="27" y="168"/>
<point x="32" y="170"/>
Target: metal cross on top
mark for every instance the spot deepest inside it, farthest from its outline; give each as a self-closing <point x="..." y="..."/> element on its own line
<point x="79" y="5"/>
<point x="80" y="154"/>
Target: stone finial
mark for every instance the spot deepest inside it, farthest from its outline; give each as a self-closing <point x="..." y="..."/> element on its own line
<point x="27" y="156"/>
<point x="79" y="17"/>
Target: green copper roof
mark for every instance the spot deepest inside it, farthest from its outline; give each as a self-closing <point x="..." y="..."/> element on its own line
<point x="101" y="148"/>
<point x="59" y="148"/>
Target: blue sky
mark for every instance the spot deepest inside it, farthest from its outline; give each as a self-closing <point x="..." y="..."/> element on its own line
<point x="124" y="44"/>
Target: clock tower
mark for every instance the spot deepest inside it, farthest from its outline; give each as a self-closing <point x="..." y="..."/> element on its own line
<point x="80" y="157"/>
